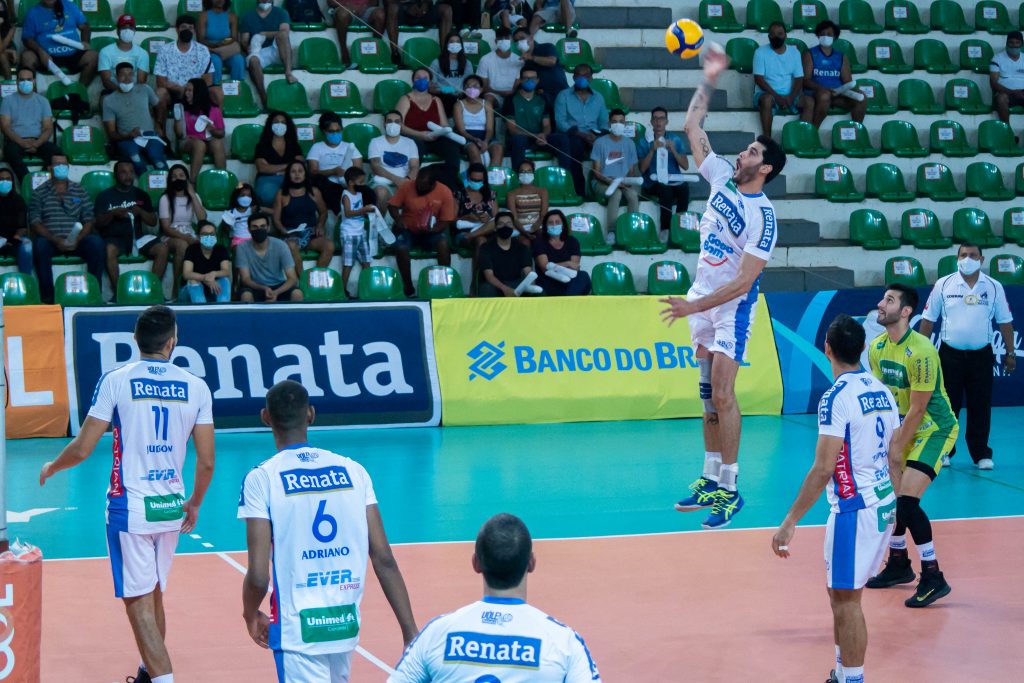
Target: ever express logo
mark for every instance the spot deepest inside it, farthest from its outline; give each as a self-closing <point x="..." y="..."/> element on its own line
<point x="323" y="480"/>
<point x="160" y="390"/>
<point x="493" y="650"/>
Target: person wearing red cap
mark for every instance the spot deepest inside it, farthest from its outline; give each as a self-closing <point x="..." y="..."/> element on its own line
<point x="124" y="50"/>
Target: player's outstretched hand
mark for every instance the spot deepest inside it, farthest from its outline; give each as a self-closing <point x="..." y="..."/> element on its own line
<point x="677" y="308"/>
<point x="191" y="511"/>
<point x="259" y="629"/>
<point x="781" y="539"/>
<point x="715" y="62"/>
<point x="45" y="473"/>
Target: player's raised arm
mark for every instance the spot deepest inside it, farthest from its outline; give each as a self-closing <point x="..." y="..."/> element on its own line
<point x="824" y="466"/>
<point x="390" y="576"/>
<point x="715" y="61"/>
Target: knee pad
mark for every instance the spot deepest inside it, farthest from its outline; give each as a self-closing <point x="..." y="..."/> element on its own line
<point x="704" y="385"/>
<point x="907" y="508"/>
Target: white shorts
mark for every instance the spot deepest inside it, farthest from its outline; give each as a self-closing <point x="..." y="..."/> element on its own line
<point x="855" y="543"/>
<point x="268" y="55"/>
<point x="553" y="15"/>
<point x="139" y="561"/>
<point x="724" y="329"/>
<point x="293" y="667"/>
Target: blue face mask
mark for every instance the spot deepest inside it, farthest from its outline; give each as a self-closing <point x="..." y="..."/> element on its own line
<point x="421" y="84"/>
<point x="208" y="241"/>
<point x="554" y="230"/>
<point x="244" y="201"/>
<point x="333" y="138"/>
<point x="475" y="184"/>
<point x="5" y="187"/>
<point x="529" y="85"/>
<point x="581" y="82"/>
<point x="25" y="87"/>
<point x="60" y="171"/>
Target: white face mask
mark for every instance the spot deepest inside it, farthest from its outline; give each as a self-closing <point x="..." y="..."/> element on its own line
<point x="523" y="45"/>
<point x="526" y="178"/>
<point x="279" y="129"/>
<point x="454" y="48"/>
<point x="265" y="6"/>
<point x="392" y="129"/>
<point x="504" y="45"/>
<point x="617" y="129"/>
<point x="968" y="266"/>
<point x="126" y="87"/>
<point x="826" y="41"/>
<point x="127" y="34"/>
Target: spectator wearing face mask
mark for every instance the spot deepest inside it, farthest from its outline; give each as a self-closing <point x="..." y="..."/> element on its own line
<point x="778" y="77"/>
<point x="500" y="69"/>
<point x="419" y="109"/>
<point x="14" y="238"/>
<point x="241" y="207"/>
<point x="450" y="70"/>
<point x="582" y="116"/>
<point x="207" y="271"/>
<point x="329" y="159"/>
<point x="266" y="38"/>
<point x="355" y="209"/>
<point x="123" y="50"/>
<point x="504" y="261"/>
<point x="474" y="120"/>
<point x="662" y="155"/>
<point x="178" y="62"/>
<point x="27" y="124"/>
<point x="300" y="216"/>
<point x="394" y="159"/>
<point x="266" y="269"/>
<point x="179" y="209"/>
<point x="277" y="147"/>
<point x="1006" y="77"/>
<point x="528" y="203"/>
<point x="528" y="123"/>
<point x="614" y="158"/>
<point x="217" y="29"/>
<point x="203" y="126"/>
<point x="543" y="59"/>
<point x="128" y="116"/>
<point x="475" y="211"/>
<point x="826" y="70"/>
<point x="556" y="246"/>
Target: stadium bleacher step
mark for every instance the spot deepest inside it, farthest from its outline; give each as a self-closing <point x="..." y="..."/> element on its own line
<point x="635" y="17"/>
<point x="728" y="142"/>
<point x="798" y="233"/>
<point x="672" y="99"/>
<point x="642" y="58"/>
<point x="782" y="280"/>
<point x="776" y="189"/>
<point x="814" y="279"/>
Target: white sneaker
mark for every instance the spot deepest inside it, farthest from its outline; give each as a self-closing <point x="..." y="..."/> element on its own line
<point x="945" y="461"/>
<point x="985" y="464"/>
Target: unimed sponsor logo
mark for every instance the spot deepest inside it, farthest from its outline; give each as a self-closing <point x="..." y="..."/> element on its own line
<point x="333" y="478"/>
<point x="496" y="650"/>
<point x="325" y="624"/>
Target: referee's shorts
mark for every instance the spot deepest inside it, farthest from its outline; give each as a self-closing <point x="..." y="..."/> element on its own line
<point x="856" y="542"/>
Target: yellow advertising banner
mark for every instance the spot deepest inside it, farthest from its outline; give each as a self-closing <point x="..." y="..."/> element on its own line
<point x="37" y="384"/>
<point x="569" y="359"/>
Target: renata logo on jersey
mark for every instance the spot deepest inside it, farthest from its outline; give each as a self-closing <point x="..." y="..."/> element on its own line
<point x="874" y="402"/>
<point x="323" y="480"/>
<point x="336" y="578"/>
<point x="325" y="553"/>
<point x="166" y="390"/>
<point x="729" y="212"/>
<point x="493" y="650"/>
<point x="495" y="618"/>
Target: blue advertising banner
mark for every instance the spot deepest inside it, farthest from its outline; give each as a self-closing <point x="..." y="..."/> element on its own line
<point x="363" y="364"/>
<point x="800" y="320"/>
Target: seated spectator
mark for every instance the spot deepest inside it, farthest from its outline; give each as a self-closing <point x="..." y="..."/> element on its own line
<point x="14" y="229"/>
<point x="179" y="209"/>
<point x="465" y="13"/>
<point x="54" y="211"/>
<point x="614" y="156"/>
<point x="356" y="205"/>
<point x="121" y="213"/>
<point x="582" y="116"/>
<point x="424" y="212"/>
<point x="510" y="14"/>
<point x="329" y="159"/>
<point x="825" y="71"/>
<point x="265" y="266"/>
<point x="52" y="18"/>
<point x="475" y="208"/>
<point x="778" y="77"/>
<point x="241" y="207"/>
<point x="657" y="165"/>
<point x="27" y="124"/>
<point x="128" y="117"/>
<point x="556" y="246"/>
<point x="1006" y="76"/>
<point x="277" y="147"/>
<point x="450" y="68"/>
<point x="394" y="159"/>
<point x="8" y="49"/>
<point x="527" y="202"/>
<point x="528" y="120"/>
<point x="266" y="38"/>
<point x="474" y="120"/>
<point x="358" y="12"/>
<point x="500" y="69"/>
<point x="178" y="62"/>
<point x="542" y="58"/>
<point x="300" y="216"/>
<point x="120" y="51"/>
<point x="423" y="13"/>
<point x="207" y="271"/>
<point x="554" y="12"/>
<point x="203" y="126"/>
<point x="504" y="261"/>
<point x="217" y="29"/>
<point x="419" y="108"/>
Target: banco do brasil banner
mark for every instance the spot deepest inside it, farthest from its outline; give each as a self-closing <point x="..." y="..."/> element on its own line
<point x="363" y="364"/>
<point x="582" y="359"/>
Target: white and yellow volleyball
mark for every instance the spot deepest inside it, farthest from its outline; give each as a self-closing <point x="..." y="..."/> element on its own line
<point x="684" y="38"/>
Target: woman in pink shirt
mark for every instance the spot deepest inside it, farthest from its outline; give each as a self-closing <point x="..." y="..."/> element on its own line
<point x="204" y="126"/>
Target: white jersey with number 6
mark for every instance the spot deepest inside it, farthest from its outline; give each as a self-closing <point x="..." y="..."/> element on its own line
<point x="152" y="407"/>
<point x="316" y="502"/>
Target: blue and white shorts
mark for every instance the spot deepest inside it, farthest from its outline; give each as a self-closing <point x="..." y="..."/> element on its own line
<point x="139" y="562"/>
<point x="293" y="667"/>
<point x="354" y="249"/>
<point x="855" y="543"/>
<point x="724" y="329"/>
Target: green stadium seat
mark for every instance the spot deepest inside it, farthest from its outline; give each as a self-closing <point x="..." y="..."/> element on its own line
<point x="807" y="14"/>
<point x="289" y="98"/>
<point x="307" y="26"/>
<point x="851" y="139"/>
<point x="214" y="186"/>
<point x="555" y="27"/>
<point x="718" y="16"/>
<point x="557" y="181"/>
<point x="320" y="56"/>
<point x="386" y="94"/>
<point x="587" y="230"/>
<point x="870" y="230"/>
<point x="976" y="56"/>
<point x="309" y="134"/>
<point x="762" y="13"/>
<point x="419" y="52"/>
<point x="1007" y="269"/>
<point x="95" y="182"/>
<point x="993" y="17"/>
<point x="342" y="98"/>
<point x="741" y="54"/>
<point x="1013" y="225"/>
<point x="152" y="45"/>
<point x="935" y="181"/>
<point x="575" y="51"/>
<point x="996" y="138"/>
<point x="239" y="102"/>
<point x="372" y="56"/>
<point x="667" y="278"/>
<point x="322" y="285"/>
<point x="802" y="140"/>
<point x="360" y="134"/>
<point x="97" y="43"/>
<point x="502" y="181"/>
<point x="885" y="182"/>
<point x="905" y="270"/>
<point x="23" y="7"/>
<point x="609" y="92"/>
<point x="475" y="49"/>
<point x="612" y="279"/>
<point x="932" y="56"/>
<point x="139" y="288"/>
<point x="901" y="16"/>
<point x="900" y="138"/>
<point x="100" y="19"/>
<point x="57" y="89"/>
<point x="886" y="56"/>
<point x="380" y="283"/>
<point x="1018" y="180"/>
<point x="638" y="233"/>
<point x="149" y="14"/>
<point x="846" y="47"/>
<point x="243" y="141"/>
<point x="77" y="289"/>
<point x="20" y="289"/>
<point x="154" y="183"/>
<point x="948" y="138"/>
<point x="439" y="282"/>
<point x="31" y="181"/>
<point x="973" y="225"/>
<point x="948" y="16"/>
<point x="985" y="180"/>
<point x="917" y="96"/>
<point x="834" y="182"/>
<point x="684" y="232"/>
<point x="876" y="97"/>
<point x="194" y="7"/>
<point x="799" y="44"/>
<point x="858" y="16"/>
<point x="85" y="145"/>
<point x="964" y="96"/>
<point x="947" y="265"/>
<point x="920" y="228"/>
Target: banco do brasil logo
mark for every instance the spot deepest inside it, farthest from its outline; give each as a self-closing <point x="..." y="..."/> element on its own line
<point x="486" y="359"/>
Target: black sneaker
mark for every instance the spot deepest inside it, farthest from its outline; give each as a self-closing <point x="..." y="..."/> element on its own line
<point x="932" y="587"/>
<point x="832" y="678"/>
<point x="141" y="676"/>
<point x="897" y="570"/>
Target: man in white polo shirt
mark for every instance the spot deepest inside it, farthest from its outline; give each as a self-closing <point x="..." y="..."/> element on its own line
<point x="968" y="301"/>
<point x="1006" y="76"/>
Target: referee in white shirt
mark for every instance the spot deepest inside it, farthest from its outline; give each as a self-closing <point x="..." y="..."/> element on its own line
<point x="968" y="301"/>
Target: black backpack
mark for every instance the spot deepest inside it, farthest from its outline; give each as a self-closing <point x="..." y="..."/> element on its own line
<point x="72" y="103"/>
<point x="304" y="11"/>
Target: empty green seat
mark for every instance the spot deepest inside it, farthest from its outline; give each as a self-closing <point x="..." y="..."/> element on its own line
<point x="149" y="14"/>
<point x="321" y="285"/>
<point x="947" y="265"/>
<point x="807" y="14"/>
<point x="902" y="16"/>
<point x="667" y="278"/>
<point x="289" y="98"/>
<point x="239" y="102"/>
<point x="834" y="182"/>
<point x="638" y="234"/>
<point x="851" y="139"/>
<point x="380" y="283"/>
<point x="964" y="96"/>
<point x="718" y="16"/>
<point x="386" y="94"/>
<point x="214" y="187"/>
<point x="1018" y="180"/>
<point x="58" y="89"/>
<point x="1007" y="269"/>
<point x="100" y="19"/>
<point x="139" y="288"/>
<point x="948" y="138"/>
<point x="905" y="270"/>
<point x="612" y="279"/>
<point x="985" y="180"/>
<point x="917" y="96"/>
<point x="920" y="227"/>
<point x="420" y="52"/>
<point x="152" y="46"/>
<point x="684" y="232"/>
<point x="741" y="54"/>
<point x="885" y="181"/>
<point x="501" y="180"/>
<point x="972" y="225"/>
<point x="932" y="56"/>
<point x="20" y="289"/>
<point x="846" y="47"/>
<point x="858" y="16"/>
<point x="243" y="141"/>
<point x="77" y="289"/>
<point x="308" y="134"/>
<point x="935" y="181"/>
<point x="440" y="282"/>
<point x="886" y="56"/>
<point x="575" y="51"/>
<point x="342" y="98"/>
<point x="948" y="16"/>
<point x="372" y="56"/>
<point x="609" y="92"/>
<point x="85" y="145"/>
<point x="194" y="7"/>
<point x="801" y="139"/>
<point x="31" y="181"/>
<point x="320" y="56"/>
<point x="997" y="138"/>
<point x="900" y="138"/>
<point x="993" y="17"/>
<point x="475" y="49"/>
<point x="1013" y="225"/>
<point x="557" y="181"/>
<point x="95" y="182"/>
<point x="360" y="134"/>
<point x="870" y="230"/>
<point x="976" y="56"/>
<point x="876" y="97"/>
<point x="587" y="230"/>
<point x="154" y="182"/>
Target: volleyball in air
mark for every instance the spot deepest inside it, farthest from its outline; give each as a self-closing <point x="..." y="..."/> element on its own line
<point x="684" y="38"/>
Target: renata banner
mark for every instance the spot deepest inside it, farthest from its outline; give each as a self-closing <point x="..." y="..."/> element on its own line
<point x="37" y="387"/>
